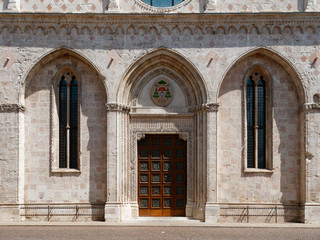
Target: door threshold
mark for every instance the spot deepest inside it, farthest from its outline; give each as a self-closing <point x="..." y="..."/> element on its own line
<point x="164" y="220"/>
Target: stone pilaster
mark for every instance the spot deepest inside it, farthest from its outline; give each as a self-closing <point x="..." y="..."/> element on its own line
<point x="310" y="165"/>
<point x="115" y="163"/>
<point x="211" y="208"/>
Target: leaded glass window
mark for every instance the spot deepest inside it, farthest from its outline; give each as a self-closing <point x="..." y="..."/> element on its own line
<point x="256" y="121"/>
<point x="68" y="121"/>
<point x="162" y="3"/>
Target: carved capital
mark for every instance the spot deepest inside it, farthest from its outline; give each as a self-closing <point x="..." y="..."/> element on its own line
<point x="207" y="107"/>
<point x="311" y="107"/>
<point x="116" y="107"/>
<point x="211" y="107"/>
<point x="12" y="108"/>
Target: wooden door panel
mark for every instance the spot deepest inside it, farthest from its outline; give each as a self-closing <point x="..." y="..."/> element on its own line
<point x="162" y="179"/>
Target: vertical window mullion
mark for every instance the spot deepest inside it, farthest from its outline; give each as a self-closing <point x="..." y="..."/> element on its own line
<point x="256" y="126"/>
<point x="261" y="122"/>
<point x="63" y="123"/>
<point x="73" y="123"/>
<point x="68" y="125"/>
<point x="250" y="123"/>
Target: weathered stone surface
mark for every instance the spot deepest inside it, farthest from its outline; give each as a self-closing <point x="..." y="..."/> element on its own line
<point x="116" y="58"/>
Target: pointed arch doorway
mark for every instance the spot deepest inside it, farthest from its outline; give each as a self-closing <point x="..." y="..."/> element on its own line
<point x="162" y="180"/>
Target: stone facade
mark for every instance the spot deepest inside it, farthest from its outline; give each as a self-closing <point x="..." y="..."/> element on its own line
<point x="117" y="49"/>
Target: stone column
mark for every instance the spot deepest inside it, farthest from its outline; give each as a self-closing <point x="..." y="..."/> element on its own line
<point x="115" y="164"/>
<point x="310" y="166"/>
<point x="212" y="212"/>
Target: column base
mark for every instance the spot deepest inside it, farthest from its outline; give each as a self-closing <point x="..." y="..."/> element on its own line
<point x="10" y="213"/>
<point x="311" y="213"/>
<point x="117" y="212"/>
<point x="212" y="212"/>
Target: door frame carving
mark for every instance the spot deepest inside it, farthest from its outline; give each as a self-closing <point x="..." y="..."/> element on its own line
<point x="182" y="127"/>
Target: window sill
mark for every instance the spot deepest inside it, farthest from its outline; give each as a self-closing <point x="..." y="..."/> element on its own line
<point x="257" y="170"/>
<point x="65" y="170"/>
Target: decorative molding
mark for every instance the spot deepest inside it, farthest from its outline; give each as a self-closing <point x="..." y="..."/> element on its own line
<point x="12" y="108"/>
<point x="191" y="24"/>
<point x="116" y="107"/>
<point x="183" y="136"/>
<point x="142" y="126"/>
<point x="311" y="107"/>
<point x="140" y="136"/>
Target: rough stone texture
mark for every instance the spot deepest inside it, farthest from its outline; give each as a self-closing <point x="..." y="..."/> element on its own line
<point x="283" y="184"/>
<point x="9" y="166"/>
<point x="42" y="185"/>
<point x="206" y="55"/>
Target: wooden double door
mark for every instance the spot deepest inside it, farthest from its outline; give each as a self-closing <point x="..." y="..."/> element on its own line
<point x="162" y="175"/>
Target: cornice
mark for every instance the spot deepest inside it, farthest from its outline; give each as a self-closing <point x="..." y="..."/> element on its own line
<point x="11" y="108"/>
<point x="140" y="24"/>
<point x="271" y="18"/>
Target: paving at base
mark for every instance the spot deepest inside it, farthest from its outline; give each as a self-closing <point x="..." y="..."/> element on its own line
<point x="96" y="231"/>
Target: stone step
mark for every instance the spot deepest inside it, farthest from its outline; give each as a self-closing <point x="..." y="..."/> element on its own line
<point x="165" y="219"/>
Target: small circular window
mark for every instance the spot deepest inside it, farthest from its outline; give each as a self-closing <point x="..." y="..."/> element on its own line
<point x="162" y="3"/>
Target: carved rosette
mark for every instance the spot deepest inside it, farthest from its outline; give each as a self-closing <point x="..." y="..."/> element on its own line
<point x="12" y="108"/>
<point x="116" y="107"/>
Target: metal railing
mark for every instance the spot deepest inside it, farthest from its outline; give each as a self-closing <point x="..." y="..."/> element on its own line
<point x="94" y="211"/>
<point x="271" y="212"/>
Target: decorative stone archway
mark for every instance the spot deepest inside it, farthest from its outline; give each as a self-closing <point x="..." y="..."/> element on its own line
<point x="129" y="122"/>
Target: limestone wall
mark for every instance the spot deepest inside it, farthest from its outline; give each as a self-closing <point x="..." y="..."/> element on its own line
<point x="41" y="184"/>
<point x="9" y="155"/>
<point x="134" y="6"/>
<point x="282" y="183"/>
<point x="102" y="49"/>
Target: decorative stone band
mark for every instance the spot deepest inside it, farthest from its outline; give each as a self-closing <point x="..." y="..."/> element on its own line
<point x="207" y="107"/>
<point x="116" y="107"/>
<point x="311" y="107"/>
<point x="12" y="108"/>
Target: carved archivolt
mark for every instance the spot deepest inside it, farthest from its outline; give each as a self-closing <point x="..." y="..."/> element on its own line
<point x="206" y="25"/>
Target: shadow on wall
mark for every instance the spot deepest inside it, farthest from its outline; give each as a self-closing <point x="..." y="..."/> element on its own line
<point x="282" y="186"/>
<point x="89" y="185"/>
